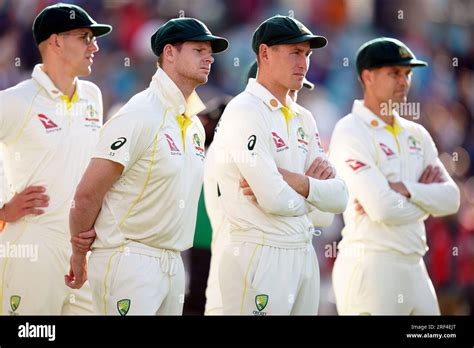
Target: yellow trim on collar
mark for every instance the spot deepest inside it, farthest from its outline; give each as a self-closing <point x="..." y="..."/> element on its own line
<point x="183" y="123"/>
<point x="395" y="130"/>
<point x="70" y="102"/>
<point x="288" y="114"/>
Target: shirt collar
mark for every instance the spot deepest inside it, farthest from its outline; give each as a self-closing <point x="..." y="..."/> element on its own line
<point x="256" y="89"/>
<point x="171" y="96"/>
<point x="361" y="111"/>
<point x="45" y="81"/>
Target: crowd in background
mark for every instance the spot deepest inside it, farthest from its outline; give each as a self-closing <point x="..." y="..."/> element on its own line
<point x="438" y="31"/>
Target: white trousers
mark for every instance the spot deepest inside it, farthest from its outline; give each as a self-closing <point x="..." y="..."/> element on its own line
<point x="382" y="283"/>
<point x="260" y="279"/>
<point x="33" y="263"/>
<point x="137" y="280"/>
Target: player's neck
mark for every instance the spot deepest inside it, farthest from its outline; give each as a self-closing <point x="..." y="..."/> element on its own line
<point x="185" y="85"/>
<point x="63" y="81"/>
<point x="377" y="108"/>
<point x="275" y="89"/>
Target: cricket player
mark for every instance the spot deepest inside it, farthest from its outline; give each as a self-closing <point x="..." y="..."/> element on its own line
<point x="141" y="189"/>
<point x="220" y="235"/>
<point x="395" y="180"/>
<point x="49" y="126"/>
<point x="270" y="172"/>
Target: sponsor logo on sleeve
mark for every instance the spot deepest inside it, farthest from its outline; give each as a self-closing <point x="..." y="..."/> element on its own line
<point x="355" y="165"/>
<point x="252" y="141"/>
<point x="118" y="143"/>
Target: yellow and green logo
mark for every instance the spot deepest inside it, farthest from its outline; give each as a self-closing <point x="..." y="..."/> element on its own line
<point x="15" y="302"/>
<point x="123" y="306"/>
<point x="196" y="140"/>
<point x="261" y="301"/>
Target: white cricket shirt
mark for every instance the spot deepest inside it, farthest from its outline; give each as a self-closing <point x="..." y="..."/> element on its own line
<point x="47" y="140"/>
<point x="368" y="154"/>
<point x="255" y="137"/>
<point x="155" y="201"/>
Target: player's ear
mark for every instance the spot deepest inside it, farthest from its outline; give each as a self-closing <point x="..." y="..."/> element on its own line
<point x="54" y="41"/>
<point x="366" y="76"/>
<point x="168" y="53"/>
<point x="263" y="52"/>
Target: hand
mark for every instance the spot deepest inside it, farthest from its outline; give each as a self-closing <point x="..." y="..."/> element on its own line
<point x="83" y="241"/>
<point x="321" y="169"/>
<point x="78" y="272"/>
<point x="432" y="174"/>
<point x="246" y="190"/>
<point x="25" y="203"/>
<point x="400" y="188"/>
<point x="359" y="208"/>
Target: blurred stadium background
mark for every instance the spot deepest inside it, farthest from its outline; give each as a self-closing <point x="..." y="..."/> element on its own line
<point x="438" y="31"/>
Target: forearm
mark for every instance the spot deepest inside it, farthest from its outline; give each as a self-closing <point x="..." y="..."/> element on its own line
<point x="83" y="214"/>
<point x="298" y="182"/>
<point x="328" y="195"/>
<point x="438" y="199"/>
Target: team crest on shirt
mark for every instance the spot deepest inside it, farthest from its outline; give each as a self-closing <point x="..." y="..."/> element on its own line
<point x="279" y="142"/>
<point x="261" y="302"/>
<point x="302" y="139"/>
<point x="14" y="303"/>
<point x="123" y="306"/>
<point x="92" y="119"/>
<point x="48" y="124"/>
<point x="173" y="148"/>
<point x="387" y="151"/>
<point x="356" y="166"/>
<point x="414" y="146"/>
<point x="198" y="146"/>
<point x="301" y="136"/>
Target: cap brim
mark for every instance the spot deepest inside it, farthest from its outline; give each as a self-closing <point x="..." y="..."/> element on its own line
<point x="315" y="41"/>
<point x="417" y="62"/>
<point x="410" y="62"/>
<point x="100" y="29"/>
<point x="218" y="44"/>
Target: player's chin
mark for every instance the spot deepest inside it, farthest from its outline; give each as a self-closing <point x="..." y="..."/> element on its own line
<point x="296" y="85"/>
<point x="85" y="71"/>
<point x="202" y="78"/>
